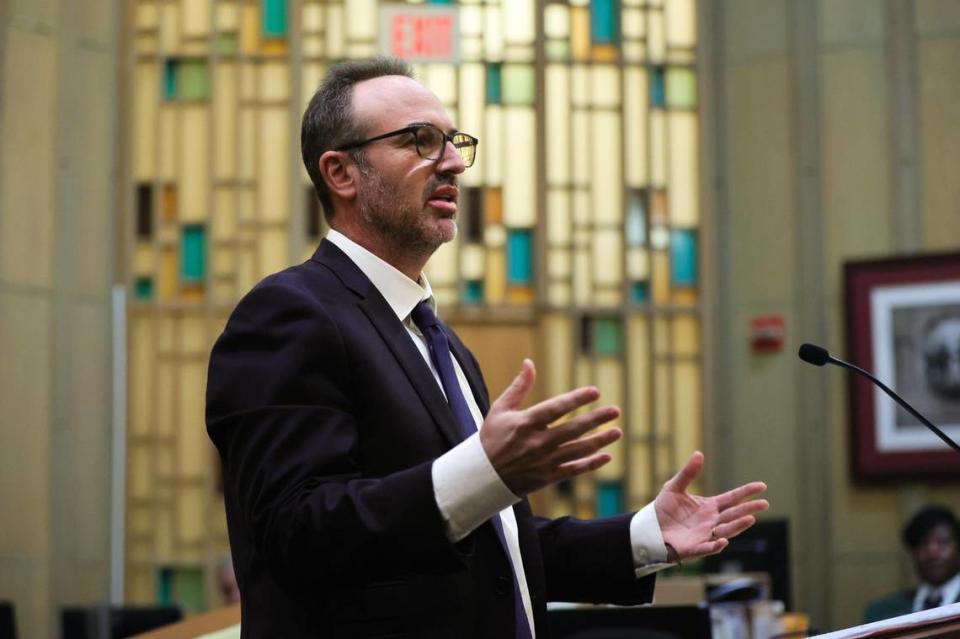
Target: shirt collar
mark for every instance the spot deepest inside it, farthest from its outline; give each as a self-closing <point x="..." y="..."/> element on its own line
<point x="401" y="293"/>
<point x="949" y="590"/>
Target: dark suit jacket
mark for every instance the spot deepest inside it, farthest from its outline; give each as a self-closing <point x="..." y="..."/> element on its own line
<point x="900" y="603"/>
<point x="328" y="420"/>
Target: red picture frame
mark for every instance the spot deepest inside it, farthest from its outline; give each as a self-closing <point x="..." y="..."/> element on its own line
<point x="896" y="312"/>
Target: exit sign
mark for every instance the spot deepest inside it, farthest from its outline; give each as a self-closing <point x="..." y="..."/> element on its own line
<point x="420" y="33"/>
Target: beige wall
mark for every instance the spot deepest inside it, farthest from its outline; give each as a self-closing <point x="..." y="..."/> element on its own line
<point x="57" y="163"/>
<point x="835" y="138"/>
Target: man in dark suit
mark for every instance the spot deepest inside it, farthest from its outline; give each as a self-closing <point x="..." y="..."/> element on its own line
<point x="372" y="489"/>
<point x="932" y="536"/>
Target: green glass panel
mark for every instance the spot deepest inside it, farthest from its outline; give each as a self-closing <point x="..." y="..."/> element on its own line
<point x="558" y="49"/>
<point x="225" y="43"/>
<point x="681" y="88"/>
<point x="143" y="288"/>
<point x="274" y="18"/>
<point x="604" y="21"/>
<point x="194" y="80"/>
<point x="609" y="498"/>
<point x="494" y="83"/>
<point x="658" y="96"/>
<point x="519" y="84"/>
<point x="683" y="258"/>
<point x="473" y="292"/>
<point x="607" y="336"/>
<point x="188" y="588"/>
<point x="170" y="67"/>
<point x="193" y="250"/>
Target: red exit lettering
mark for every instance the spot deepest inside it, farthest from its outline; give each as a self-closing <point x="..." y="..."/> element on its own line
<point x="421" y="36"/>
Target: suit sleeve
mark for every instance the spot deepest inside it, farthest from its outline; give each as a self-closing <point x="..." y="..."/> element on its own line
<point x="279" y="409"/>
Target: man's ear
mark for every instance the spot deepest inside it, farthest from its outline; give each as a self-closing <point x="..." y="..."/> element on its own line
<point x="339" y="173"/>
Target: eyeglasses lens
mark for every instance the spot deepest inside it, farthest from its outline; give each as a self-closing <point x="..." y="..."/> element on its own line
<point x="430" y="142"/>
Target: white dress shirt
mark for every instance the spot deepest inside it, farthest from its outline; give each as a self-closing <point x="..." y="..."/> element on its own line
<point x="465" y="505"/>
<point x="949" y="590"/>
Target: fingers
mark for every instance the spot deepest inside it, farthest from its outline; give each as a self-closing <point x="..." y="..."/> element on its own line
<point x="686" y="475"/>
<point x="585" y="465"/>
<point x="513" y="396"/>
<point x="550" y="410"/>
<point x="741" y="510"/>
<point x="739" y="494"/>
<point x="585" y="446"/>
<point x="735" y="527"/>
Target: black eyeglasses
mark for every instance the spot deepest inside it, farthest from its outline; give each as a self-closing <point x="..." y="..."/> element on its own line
<point x="430" y="142"/>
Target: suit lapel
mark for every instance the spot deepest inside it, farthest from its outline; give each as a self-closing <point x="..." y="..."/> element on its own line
<point x="472" y="372"/>
<point x="395" y="335"/>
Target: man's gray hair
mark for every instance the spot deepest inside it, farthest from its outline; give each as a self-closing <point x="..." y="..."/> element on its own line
<point x="328" y="120"/>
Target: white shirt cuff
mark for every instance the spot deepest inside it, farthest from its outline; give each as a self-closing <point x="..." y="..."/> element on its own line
<point x="468" y="489"/>
<point x="649" y="550"/>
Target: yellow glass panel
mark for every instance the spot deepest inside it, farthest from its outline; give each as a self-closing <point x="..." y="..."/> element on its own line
<point x="224" y="222"/>
<point x="192" y="445"/>
<point x="146" y="43"/>
<point x="661" y="336"/>
<point x="145" y="97"/>
<point x="657" y="47"/>
<point x="663" y="420"/>
<point x="361" y="50"/>
<point x="193" y="336"/>
<point x="658" y="142"/>
<point x="248" y="81"/>
<point x="493" y="34"/>
<point x="250" y="28"/>
<point x="580" y="32"/>
<point x="274" y="81"/>
<point x="194" y="163"/>
<point x="519" y="22"/>
<point x="634" y="51"/>
<point x="274" y="253"/>
<point x="558" y="263"/>
<point x="224" y="260"/>
<point x="442" y="268"/>
<point x="471" y="21"/>
<point x="495" y="285"/>
<point x="141" y="375"/>
<point x="247" y="274"/>
<point x="167" y="288"/>
<point x="225" y="120"/>
<point x="557" y="103"/>
<point x="681" y="23"/>
<point x="558" y="293"/>
<point x="166" y="138"/>
<point x="520" y="294"/>
<point x="664" y="463"/>
<point x="164" y="533"/>
<point x="494" y="234"/>
<point x="558" y="342"/>
<point x="273" y="46"/>
<point x="685" y="296"/>
<point x="246" y="144"/>
<point x="661" y="277"/>
<point x="472" y="98"/>
<point x="684" y="172"/>
<point x="606" y="188"/>
<point x="635" y="123"/>
<point x="641" y="491"/>
<point x="604" y="53"/>
<point x="634" y="24"/>
<point x="147" y="16"/>
<point x="519" y="179"/>
<point x="196" y="16"/>
<point x="556" y="21"/>
<point x="558" y="217"/>
<point x="638" y="264"/>
<point x="472" y="259"/>
<point x="607" y="297"/>
<point x="638" y="352"/>
<point x="312" y="47"/>
<point x="580" y="83"/>
<point x="311" y="18"/>
<point x="143" y="257"/>
<point x="312" y="74"/>
<point x="686" y="335"/>
<point x="228" y="18"/>
<point x="442" y="80"/>
<point x="581" y="147"/>
<point x="582" y="285"/>
<point x="274" y="168"/>
<point x="607" y="257"/>
<point x="583" y="373"/>
<point x="191" y="517"/>
<point x="493" y="154"/>
<point x="471" y="49"/>
<point x="687" y="430"/>
<point x="334" y="31"/>
<point x="169" y="28"/>
<point x="605" y="85"/>
<point x="361" y="17"/>
<point x="581" y="213"/>
<point x="165" y="401"/>
<point x="168" y="210"/>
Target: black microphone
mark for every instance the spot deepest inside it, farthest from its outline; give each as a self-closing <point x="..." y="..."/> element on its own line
<point x="818" y="356"/>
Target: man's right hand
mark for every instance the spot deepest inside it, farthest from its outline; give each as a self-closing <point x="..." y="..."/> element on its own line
<point x="527" y="452"/>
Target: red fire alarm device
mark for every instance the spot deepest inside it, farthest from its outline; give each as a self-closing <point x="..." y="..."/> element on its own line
<point x="767" y="333"/>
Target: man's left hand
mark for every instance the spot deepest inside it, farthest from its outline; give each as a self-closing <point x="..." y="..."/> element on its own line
<point x="695" y="526"/>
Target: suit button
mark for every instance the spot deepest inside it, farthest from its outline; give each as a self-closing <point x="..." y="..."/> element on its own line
<point x="503" y="586"/>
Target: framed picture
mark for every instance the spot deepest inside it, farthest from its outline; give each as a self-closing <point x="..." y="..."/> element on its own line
<point x="903" y="325"/>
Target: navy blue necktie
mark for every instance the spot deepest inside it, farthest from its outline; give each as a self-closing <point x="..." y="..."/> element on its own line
<point x="429" y="325"/>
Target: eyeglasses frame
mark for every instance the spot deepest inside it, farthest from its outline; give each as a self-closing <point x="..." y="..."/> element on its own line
<point x="413" y="128"/>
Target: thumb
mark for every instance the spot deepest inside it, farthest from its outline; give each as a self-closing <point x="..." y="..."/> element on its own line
<point x="686" y="475"/>
<point x="515" y="393"/>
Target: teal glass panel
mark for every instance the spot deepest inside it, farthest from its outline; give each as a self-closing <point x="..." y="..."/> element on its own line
<point x="519" y="84"/>
<point x="439" y="1"/>
<point x="609" y="498"/>
<point x="658" y="96"/>
<point x="193" y="251"/>
<point x="639" y="291"/>
<point x="170" y="68"/>
<point x="636" y="223"/>
<point x="604" y="21"/>
<point x="494" y="83"/>
<point x="520" y="256"/>
<point x="473" y="292"/>
<point x="274" y="18"/>
<point x="143" y="288"/>
<point x="683" y="258"/>
<point x="557" y="49"/>
<point x="607" y="336"/>
<point x="681" y="88"/>
<point x="164" y="586"/>
<point x="194" y="80"/>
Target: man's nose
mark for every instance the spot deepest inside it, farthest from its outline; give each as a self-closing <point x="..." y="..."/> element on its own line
<point x="450" y="160"/>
